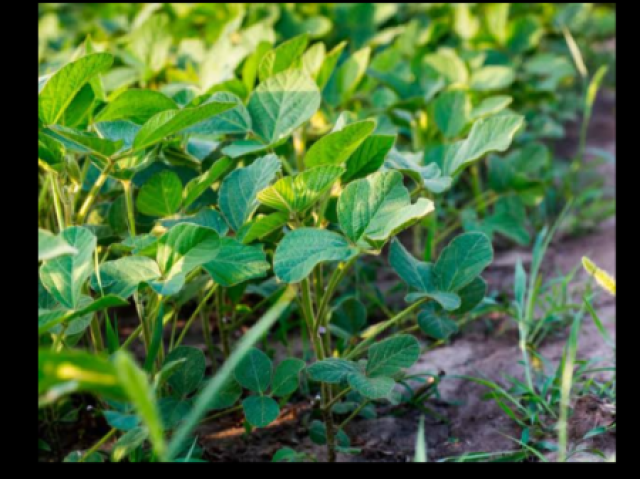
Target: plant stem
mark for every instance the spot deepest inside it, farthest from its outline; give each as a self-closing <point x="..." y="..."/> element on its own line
<point x="477" y="189"/>
<point x="220" y="414"/>
<point x="96" y="334"/>
<point x="98" y="444"/>
<point x="224" y="338"/>
<point x="195" y="314"/>
<point x="93" y="193"/>
<point x="353" y="414"/>
<point x="128" y="198"/>
<point x="334" y="281"/>
<point x="57" y="205"/>
<point x="206" y="332"/>
<point x="339" y="396"/>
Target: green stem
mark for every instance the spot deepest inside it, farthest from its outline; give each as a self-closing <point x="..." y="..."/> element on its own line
<point x="96" y="335"/>
<point x="220" y="414"/>
<point x="477" y="189"/>
<point x="224" y="337"/>
<point x="206" y="332"/>
<point x="57" y="204"/>
<point x="336" y="277"/>
<point x="128" y="198"/>
<point x="195" y="314"/>
<point x="98" y="444"/>
<point x="339" y="396"/>
<point x="353" y="414"/>
<point x="93" y="193"/>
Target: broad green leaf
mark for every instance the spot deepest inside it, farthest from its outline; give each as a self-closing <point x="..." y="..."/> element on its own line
<point x="137" y="387"/>
<point x="161" y="195"/>
<point x="262" y="226"/>
<point x="206" y="217"/>
<point x="227" y="396"/>
<point x="313" y="59"/>
<point x="136" y="105"/>
<point x="336" y="147"/>
<point x="199" y="185"/>
<point x="348" y="75"/>
<point x="446" y="64"/>
<point x="389" y="356"/>
<point x="283" y="57"/>
<point x="281" y="104"/>
<point x="188" y="376"/>
<point x="150" y="44"/>
<point x="350" y="317"/>
<point x="497" y="19"/>
<point x="186" y="246"/>
<point x="251" y="64"/>
<point x="493" y="77"/>
<point x="436" y="325"/>
<point x="64" y="276"/>
<point x="260" y="411"/>
<point x="170" y="286"/>
<point x="128" y="443"/>
<point x="448" y="301"/>
<point x="121" y="277"/>
<point x="490" y="106"/>
<point x="464" y="258"/>
<point x="123" y="422"/>
<point x="451" y="112"/>
<point x="48" y="319"/>
<point x="332" y="370"/>
<point x="50" y="152"/>
<point x="234" y="121"/>
<point x="371" y="388"/>
<point x="254" y="371"/>
<point x="525" y="33"/>
<point x="372" y="209"/>
<point x="81" y="142"/>
<point x="70" y="371"/>
<point x="62" y="87"/>
<point x="297" y="193"/>
<point x="235" y="263"/>
<point x="329" y="65"/>
<point x="302" y="249"/>
<point x="244" y="147"/>
<point x="239" y="190"/>
<point x="172" y="411"/>
<point x="430" y="175"/>
<point x="471" y="295"/>
<point x="368" y="157"/>
<point x="285" y="379"/>
<point x="51" y="246"/>
<point x="487" y="134"/>
<point x="170" y="122"/>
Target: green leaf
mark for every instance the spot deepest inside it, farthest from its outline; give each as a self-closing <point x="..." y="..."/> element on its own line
<point x="199" y="185"/>
<point x="348" y="76"/>
<point x="464" y="258"/>
<point x="497" y="19"/>
<point x="371" y="388"/>
<point x="262" y="226"/>
<point x="51" y="246"/>
<point x="313" y="59"/>
<point x="76" y="455"/>
<point x="64" y="276"/>
<point x="297" y="193"/>
<point x="62" y="87"/>
<point x="254" y="371"/>
<point x="446" y="64"/>
<point x="490" y="106"/>
<point x="389" y="356"/>
<point x="283" y="57"/>
<point x="487" y="134"/>
<point x="302" y="249"/>
<point x="318" y="434"/>
<point x="239" y="190"/>
<point x="329" y="65"/>
<point x="136" y="384"/>
<point x="186" y="246"/>
<point x="336" y="147"/>
<point x="260" y="411"/>
<point x="350" y="317"/>
<point x="150" y="44"/>
<point x="128" y="443"/>
<point x="227" y="396"/>
<point x="235" y="263"/>
<point x="76" y="371"/>
<point x="282" y="103"/>
<point x="161" y="195"/>
<point x="372" y="209"/>
<point x="448" y="301"/>
<point x="435" y="325"/>
<point x="81" y="142"/>
<point x="244" y="147"/>
<point x="408" y="163"/>
<point x="471" y="295"/>
<point x="493" y="77"/>
<point x="48" y="319"/>
<point x="121" y="277"/>
<point x="136" y="105"/>
<point x="332" y="370"/>
<point x="188" y="376"/>
<point x="368" y="157"/>
<point x="170" y="122"/>
<point x="206" y="217"/>
<point x="285" y="379"/>
<point x="234" y="121"/>
<point x="451" y="112"/>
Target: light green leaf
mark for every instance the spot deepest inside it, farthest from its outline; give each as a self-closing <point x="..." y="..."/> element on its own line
<point x="260" y="411"/>
<point x="60" y="90"/>
<point x="368" y="157"/>
<point x="490" y="106"/>
<point x="161" y="195"/>
<point x="244" y="147"/>
<point x="121" y="277"/>
<point x="188" y="376"/>
<point x="302" y="249"/>
<point x="235" y="263"/>
<point x="150" y="44"/>
<point x="313" y="59"/>
<point x="136" y="105"/>
<point x="348" y="76"/>
<point x="186" y="246"/>
<point x="329" y="64"/>
<point x="254" y="371"/>
<point x="389" y="356"/>
<point x="464" y="258"/>
<point x="282" y="103"/>
<point x="451" y="112"/>
<point x="371" y="388"/>
<point x="81" y="142"/>
<point x="497" y="19"/>
<point x="137" y="387"/>
<point x="299" y="192"/>
<point x="493" y="77"/>
<point x="239" y="190"/>
<point x="234" y="121"/>
<point x="199" y="185"/>
<point x="435" y="325"/>
<point x="283" y="57"/>
<point x="170" y="122"/>
<point x="48" y="319"/>
<point x="262" y="226"/>
<point x="64" y="276"/>
<point x="332" y="370"/>
<point x="128" y="443"/>
<point x="51" y="246"/>
<point x="206" y="217"/>
<point x="372" y="209"/>
<point x="430" y="175"/>
<point x="446" y="64"/>
<point x="336" y="147"/>
<point x="285" y="379"/>
<point x="487" y="134"/>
